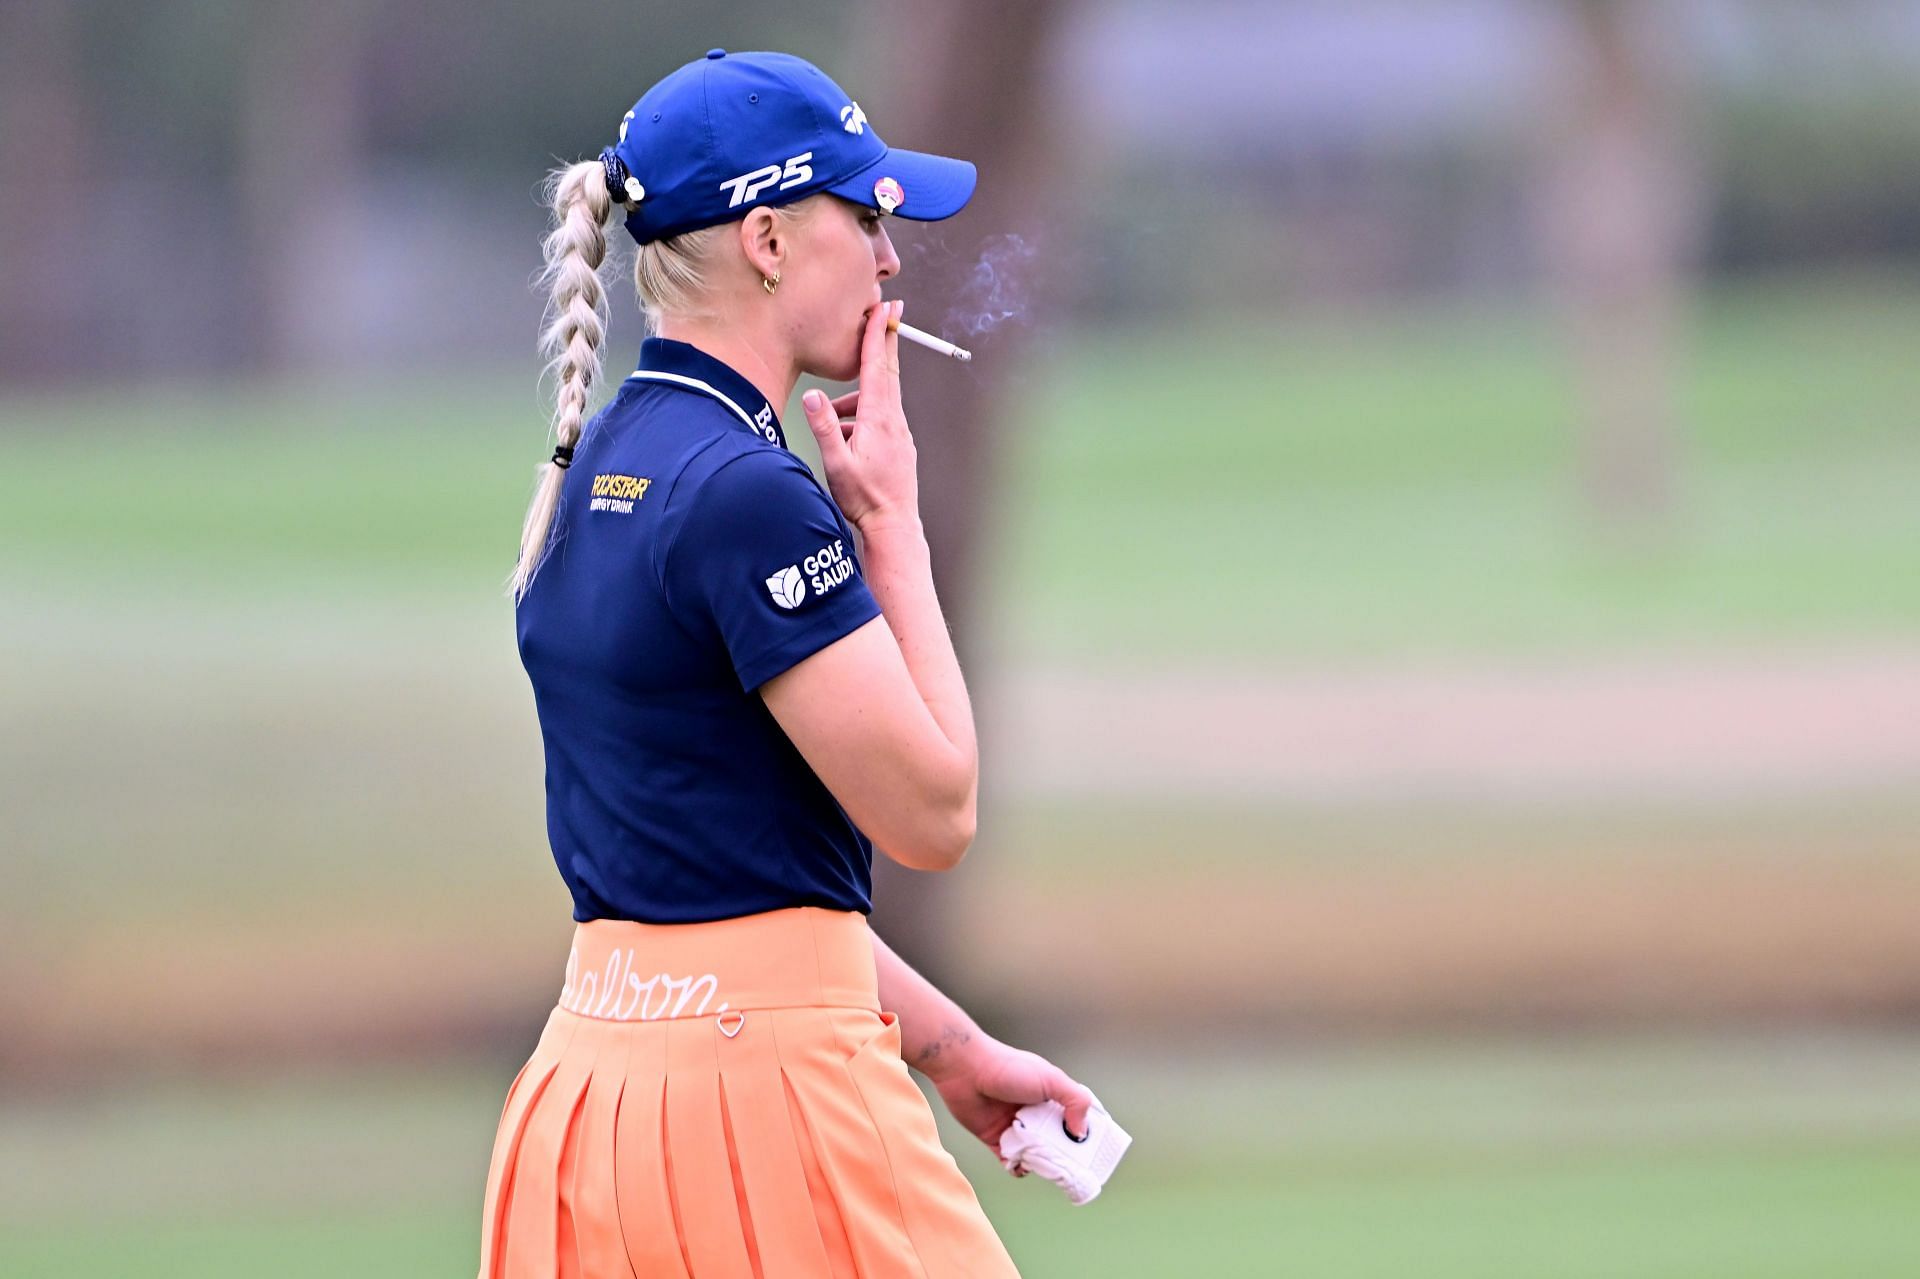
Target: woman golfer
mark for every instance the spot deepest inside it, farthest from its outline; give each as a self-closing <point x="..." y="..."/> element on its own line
<point x="744" y="686"/>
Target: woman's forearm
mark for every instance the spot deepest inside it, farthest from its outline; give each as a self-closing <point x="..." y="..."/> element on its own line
<point x="899" y="572"/>
<point x="936" y="1035"/>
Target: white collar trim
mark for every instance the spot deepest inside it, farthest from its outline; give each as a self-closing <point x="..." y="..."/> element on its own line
<point x="655" y="375"/>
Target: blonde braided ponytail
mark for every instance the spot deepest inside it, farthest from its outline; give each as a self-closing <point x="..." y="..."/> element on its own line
<point x="671" y="278"/>
<point x="576" y="328"/>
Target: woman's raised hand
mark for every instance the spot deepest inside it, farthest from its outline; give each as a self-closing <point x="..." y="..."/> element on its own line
<point x="869" y="457"/>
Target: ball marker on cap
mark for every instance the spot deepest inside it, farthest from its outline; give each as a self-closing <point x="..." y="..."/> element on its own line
<point x="888" y="195"/>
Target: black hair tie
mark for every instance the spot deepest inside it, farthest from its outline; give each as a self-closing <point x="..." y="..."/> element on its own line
<point x="616" y="173"/>
<point x="563" y="456"/>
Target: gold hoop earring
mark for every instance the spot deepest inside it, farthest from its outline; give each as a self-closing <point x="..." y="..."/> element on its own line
<point x="770" y="282"/>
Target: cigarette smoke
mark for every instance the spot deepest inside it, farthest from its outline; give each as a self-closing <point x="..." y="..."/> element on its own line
<point x="996" y="290"/>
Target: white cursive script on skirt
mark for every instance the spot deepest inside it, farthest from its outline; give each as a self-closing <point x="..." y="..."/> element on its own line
<point x="619" y="994"/>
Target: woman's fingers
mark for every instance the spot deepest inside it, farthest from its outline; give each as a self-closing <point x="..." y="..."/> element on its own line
<point x="873" y="343"/>
<point x="893" y="340"/>
<point x="1076" y="1100"/>
<point x="880" y="359"/>
<point x="823" y="421"/>
<point x="870" y="458"/>
<point x="848" y="407"/>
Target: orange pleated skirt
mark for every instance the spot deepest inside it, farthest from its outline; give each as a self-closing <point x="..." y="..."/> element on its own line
<point x="726" y="1099"/>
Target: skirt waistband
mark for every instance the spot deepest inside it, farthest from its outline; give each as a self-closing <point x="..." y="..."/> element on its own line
<point x="801" y="957"/>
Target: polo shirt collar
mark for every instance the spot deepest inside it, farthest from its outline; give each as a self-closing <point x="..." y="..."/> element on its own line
<point x="683" y="364"/>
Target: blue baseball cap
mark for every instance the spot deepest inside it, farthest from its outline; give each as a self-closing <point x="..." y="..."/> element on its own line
<point x="733" y="131"/>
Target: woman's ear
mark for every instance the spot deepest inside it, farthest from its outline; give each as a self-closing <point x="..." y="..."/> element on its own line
<point x="763" y="240"/>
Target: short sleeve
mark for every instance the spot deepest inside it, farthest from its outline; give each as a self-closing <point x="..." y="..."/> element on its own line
<point x="764" y="559"/>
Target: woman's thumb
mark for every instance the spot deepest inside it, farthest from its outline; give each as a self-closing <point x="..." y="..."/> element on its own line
<point x="822" y="420"/>
<point x="1076" y="1101"/>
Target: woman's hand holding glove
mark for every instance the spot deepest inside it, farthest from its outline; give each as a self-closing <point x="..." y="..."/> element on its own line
<point x="1013" y="1100"/>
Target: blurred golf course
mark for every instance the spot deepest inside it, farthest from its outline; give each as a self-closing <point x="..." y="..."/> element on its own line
<point x="1229" y="488"/>
<point x="1644" y="1157"/>
<point x="287" y="872"/>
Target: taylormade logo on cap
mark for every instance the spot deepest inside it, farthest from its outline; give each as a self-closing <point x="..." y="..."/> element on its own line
<point x="732" y="131"/>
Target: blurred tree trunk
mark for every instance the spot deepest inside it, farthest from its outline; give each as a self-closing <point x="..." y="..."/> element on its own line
<point x="48" y="183"/>
<point x="1620" y="187"/>
<point x="970" y="81"/>
<point x="302" y="171"/>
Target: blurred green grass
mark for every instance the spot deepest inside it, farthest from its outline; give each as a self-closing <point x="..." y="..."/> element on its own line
<point x="1410" y="484"/>
<point x="1765" y="1215"/>
<point x="1701" y="1157"/>
<point x="1237" y="488"/>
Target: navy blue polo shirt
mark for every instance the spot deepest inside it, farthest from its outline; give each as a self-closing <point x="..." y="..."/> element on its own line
<point x="693" y="558"/>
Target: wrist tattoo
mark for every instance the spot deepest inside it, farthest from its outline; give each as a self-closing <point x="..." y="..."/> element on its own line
<point x="949" y="1037"/>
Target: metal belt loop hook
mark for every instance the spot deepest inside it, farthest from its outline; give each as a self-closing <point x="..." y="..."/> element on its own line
<point x="731" y="1028"/>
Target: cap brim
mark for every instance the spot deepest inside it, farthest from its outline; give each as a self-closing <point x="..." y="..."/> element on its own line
<point x="935" y="186"/>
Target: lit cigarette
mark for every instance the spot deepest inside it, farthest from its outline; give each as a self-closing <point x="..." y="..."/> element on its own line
<point x="927" y="340"/>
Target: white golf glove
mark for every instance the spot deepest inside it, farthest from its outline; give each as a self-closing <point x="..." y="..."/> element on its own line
<point x="1037" y="1142"/>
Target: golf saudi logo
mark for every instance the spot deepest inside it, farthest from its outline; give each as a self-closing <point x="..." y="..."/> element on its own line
<point x="787" y="587"/>
<point x="825" y="569"/>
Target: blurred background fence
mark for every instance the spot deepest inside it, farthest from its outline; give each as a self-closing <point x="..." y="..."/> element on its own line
<point x="1433" y="529"/>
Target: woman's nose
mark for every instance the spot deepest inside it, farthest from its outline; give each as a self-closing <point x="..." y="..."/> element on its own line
<point x="888" y="261"/>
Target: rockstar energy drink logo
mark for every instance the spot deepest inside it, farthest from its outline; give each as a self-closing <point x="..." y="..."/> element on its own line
<point x="618" y="492"/>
